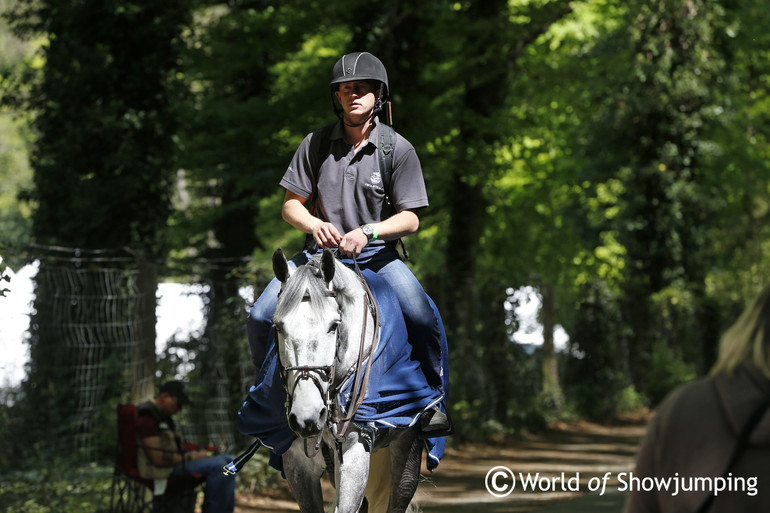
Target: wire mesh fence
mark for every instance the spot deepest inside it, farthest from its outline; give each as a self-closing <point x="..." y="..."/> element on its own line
<point x="93" y="345"/>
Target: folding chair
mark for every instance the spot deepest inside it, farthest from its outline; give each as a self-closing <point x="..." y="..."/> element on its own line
<point x="133" y="494"/>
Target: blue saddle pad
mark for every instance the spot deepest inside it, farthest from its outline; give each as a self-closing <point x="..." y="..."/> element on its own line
<point x="396" y="396"/>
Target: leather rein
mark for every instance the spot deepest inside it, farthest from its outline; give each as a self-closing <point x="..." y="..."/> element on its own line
<point x="324" y="374"/>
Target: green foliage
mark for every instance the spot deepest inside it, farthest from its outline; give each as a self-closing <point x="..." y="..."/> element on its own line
<point x="628" y="400"/>
<point x="56" y="488"/>
<point x="661" y="107"/>
<point x="261" y="76"/>
<point x="584" y="152"/>
<point x="668" y="370"/>
<point x="103" y="125"/>
<point x="257" y="476"/>
<point x="15" y="180"/>
<point x="61" y="487"/>
<point x="15" y="137"/>
<point x="616" y="152"/>
<point x="98" y="94"/>
<point x="656" y="140"/>
<point x="597" y="367"/>
<point x="501" y="391"/>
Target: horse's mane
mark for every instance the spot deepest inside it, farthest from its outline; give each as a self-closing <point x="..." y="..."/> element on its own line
<point x="307" y="283"/>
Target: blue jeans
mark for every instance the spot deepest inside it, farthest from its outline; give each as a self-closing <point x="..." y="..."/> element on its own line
<point x="426" y="333"/>
<point x="220" y="489"/>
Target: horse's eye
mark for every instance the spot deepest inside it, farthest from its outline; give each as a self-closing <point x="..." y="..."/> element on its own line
<point x="334" y="327"/>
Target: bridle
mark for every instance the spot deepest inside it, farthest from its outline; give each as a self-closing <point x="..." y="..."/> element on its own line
<point x="321" y="375"/>
<point x="318" y="374"/>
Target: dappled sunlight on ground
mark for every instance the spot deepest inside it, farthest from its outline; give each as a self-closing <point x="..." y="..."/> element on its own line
<point x="564" y="458"/>
<point x="561" y="460"/>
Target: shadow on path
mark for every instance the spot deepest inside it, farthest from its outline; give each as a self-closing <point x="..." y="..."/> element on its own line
<point x="561" y="463"/>
<point x="554" y="471"/>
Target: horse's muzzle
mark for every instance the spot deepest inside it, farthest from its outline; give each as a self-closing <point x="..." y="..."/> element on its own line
<point x="308" y="426"/>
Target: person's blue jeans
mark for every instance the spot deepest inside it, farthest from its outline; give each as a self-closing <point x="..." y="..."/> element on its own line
<point x="220" y="489"/>
<point x="425" y="331"/>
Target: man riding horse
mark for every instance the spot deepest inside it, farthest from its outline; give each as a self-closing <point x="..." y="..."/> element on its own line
<point x="364" y="185"/>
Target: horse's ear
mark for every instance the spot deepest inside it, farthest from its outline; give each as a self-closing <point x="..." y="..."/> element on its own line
<point x="327" y="265"/>
<point x="280" y="266"/>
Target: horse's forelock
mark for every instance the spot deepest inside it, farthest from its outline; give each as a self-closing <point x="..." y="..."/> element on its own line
<point x="294" y="291"/>
<point x="308" y="280"/>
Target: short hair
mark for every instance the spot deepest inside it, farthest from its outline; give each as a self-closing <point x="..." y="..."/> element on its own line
<point x="747" y="339"/>
<point x="176" y="389"/>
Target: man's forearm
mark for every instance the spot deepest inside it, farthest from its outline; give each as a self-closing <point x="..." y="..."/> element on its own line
<point x="398" y="225"/>
<point x="295" y="213"/>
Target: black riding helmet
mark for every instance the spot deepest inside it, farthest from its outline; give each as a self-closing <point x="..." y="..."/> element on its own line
<point x="360" y="66"/>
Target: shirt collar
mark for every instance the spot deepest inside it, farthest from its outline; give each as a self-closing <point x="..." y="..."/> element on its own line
<point x="338" y="132"/>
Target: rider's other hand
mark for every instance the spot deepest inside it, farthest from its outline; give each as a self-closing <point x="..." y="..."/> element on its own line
<point x="353" y="242"/>
<point x="326" y="235"/>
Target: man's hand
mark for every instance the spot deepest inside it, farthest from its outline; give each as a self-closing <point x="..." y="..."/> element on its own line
<point x="196" y="455"/>
<point x="326" y="235"/>
<point x="353" y="242"/>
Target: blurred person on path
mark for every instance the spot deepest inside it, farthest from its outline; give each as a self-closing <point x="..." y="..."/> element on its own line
<point x="710" y="438"/>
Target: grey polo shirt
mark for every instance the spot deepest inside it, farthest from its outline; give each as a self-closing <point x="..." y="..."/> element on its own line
<point x="350" y="187"/>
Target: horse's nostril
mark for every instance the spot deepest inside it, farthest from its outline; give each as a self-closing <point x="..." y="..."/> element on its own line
<point x="293" y="424"/>
<point x="322" y="414"/>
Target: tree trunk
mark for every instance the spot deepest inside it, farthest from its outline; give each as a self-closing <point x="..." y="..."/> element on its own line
<point x="552" y="391"/>
<point x="142" y="367"/>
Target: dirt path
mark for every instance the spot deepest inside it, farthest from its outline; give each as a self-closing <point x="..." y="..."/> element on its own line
<point x="563" y="463"/>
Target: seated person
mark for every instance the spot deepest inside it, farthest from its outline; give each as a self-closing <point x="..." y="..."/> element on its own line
<point x="163" y="455"/>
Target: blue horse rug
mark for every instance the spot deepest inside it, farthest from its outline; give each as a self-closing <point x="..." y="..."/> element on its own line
<point x="396" y="397"/>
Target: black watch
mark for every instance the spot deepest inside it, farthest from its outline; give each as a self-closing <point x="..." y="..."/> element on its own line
<point x="369" y="232"/>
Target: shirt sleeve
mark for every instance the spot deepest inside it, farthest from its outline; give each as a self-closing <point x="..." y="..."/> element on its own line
<point x="299" y="177"/>
<point x="146" y="426"/>
<point x="407" y="189"/>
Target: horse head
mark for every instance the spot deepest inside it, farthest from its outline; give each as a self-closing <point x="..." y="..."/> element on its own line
<point x="306" y="321"/>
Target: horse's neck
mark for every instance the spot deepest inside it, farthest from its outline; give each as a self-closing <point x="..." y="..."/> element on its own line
<point x="353" y="318"/>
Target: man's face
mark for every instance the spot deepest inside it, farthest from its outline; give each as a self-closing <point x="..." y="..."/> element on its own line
<point x="168" y="404"/>
<point x="357" y="98"/>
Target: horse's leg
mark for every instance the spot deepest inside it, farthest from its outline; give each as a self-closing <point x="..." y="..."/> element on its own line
<point x="304" y="477"/>
<point x="351" y="475"/>
<point x="378" y="485"/>
<point x="405" y="457"/>
<point x="328" y="454"/>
